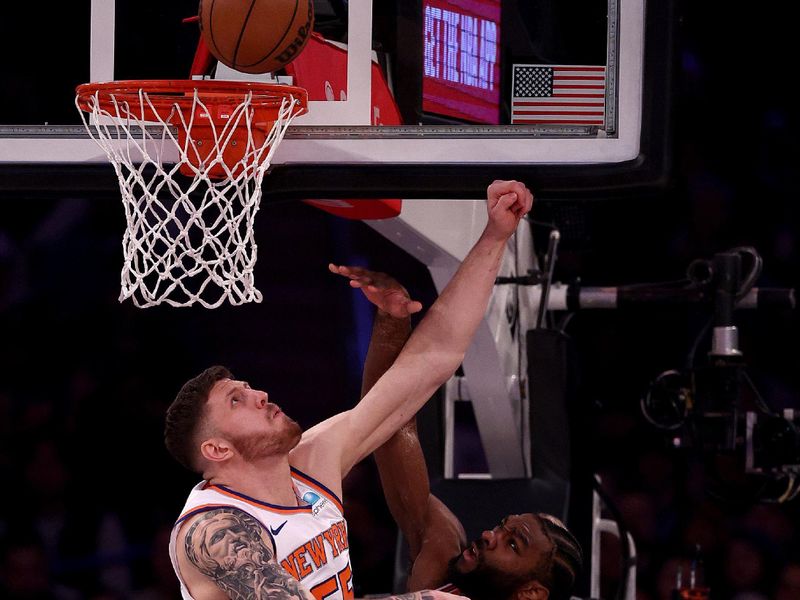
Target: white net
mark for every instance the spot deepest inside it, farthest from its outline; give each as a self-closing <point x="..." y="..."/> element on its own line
<point x="190" y="188"/>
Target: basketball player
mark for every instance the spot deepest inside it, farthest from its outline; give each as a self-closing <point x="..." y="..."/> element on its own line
<point x="525" y="557"/>
<point x="267" y="514"/>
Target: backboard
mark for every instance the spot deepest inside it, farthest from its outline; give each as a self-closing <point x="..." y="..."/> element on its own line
<point x="423" y="97"/>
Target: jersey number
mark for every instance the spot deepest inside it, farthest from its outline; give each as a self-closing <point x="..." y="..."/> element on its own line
<point x="343" y="581"/>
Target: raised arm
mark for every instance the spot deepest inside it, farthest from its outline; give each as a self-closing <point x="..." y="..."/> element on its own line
<point x="401" y="464"/>
<point x="432" y="354"/>
<point x="437" y="346"/>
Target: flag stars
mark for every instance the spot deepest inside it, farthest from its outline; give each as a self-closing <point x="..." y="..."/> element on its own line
<point x="533" y="82"/>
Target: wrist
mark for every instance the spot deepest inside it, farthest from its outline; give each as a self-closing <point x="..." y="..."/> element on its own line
<point x="387" y="325"/>
<point x="492" y="242"/>
<point x="496" y="234"/>
<point x="386" y="316"/>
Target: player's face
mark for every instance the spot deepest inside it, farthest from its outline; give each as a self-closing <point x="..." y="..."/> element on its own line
<point x="503" y="557"/>
<point x="255" y="426"/>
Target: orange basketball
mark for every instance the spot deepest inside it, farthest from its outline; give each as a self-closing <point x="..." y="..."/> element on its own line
<point x="256" y="36"/>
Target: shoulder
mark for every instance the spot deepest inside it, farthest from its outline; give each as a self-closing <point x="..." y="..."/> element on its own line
<point x="445" y="523"/>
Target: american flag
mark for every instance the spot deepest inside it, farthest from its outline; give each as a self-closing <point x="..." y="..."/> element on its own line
<point x="558" y="95"/>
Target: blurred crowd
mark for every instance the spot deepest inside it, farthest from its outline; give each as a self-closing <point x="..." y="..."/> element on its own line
<point x="673" y="506"/>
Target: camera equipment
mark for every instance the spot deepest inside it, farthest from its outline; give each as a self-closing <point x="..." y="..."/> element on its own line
<point x="715" y="407"/>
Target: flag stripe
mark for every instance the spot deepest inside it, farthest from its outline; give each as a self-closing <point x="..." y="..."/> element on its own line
<point x="569" y="102"/>
<point x="558" y="71"/>
<point x="573" y="67"/>
<point x="554" y="113"/>
<point x="579" y="77"/>
<point x="592" y="113"/>
<point x="597" y="96"/>
<point x="560" y="121"/>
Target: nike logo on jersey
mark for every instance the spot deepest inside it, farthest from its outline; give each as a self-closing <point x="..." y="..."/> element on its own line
<point x="277" y="530"/>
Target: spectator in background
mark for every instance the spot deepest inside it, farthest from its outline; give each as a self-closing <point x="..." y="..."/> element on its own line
<point x="788" y="587"/>
<point x="745" y="568"/>
<point x="162" y="584"/>
<point x="25" y="572"/>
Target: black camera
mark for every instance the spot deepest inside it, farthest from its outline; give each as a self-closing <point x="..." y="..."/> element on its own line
<point x="715" y="408"/>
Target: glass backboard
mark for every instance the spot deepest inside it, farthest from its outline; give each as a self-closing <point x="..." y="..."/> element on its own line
<point x="425" y="95"/>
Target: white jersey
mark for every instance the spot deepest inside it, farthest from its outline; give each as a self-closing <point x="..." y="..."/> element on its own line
<point x="310" y="540"/>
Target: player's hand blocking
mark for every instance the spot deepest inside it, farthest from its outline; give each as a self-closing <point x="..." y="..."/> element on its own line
<point x="507" y="203"/>
<point x="381" y="289"/>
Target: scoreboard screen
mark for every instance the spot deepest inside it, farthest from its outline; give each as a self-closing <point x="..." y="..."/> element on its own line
<point x="461" y="59"/>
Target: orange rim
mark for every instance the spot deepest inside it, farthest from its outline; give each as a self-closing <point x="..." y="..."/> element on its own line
<point x="166" y="94"/>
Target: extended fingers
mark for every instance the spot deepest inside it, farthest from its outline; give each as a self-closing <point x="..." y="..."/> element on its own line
<point x="354" y="273"/>
<point x="346" y="271"/>
<point x="364" y="283"/>
<point x="374" y="279"/>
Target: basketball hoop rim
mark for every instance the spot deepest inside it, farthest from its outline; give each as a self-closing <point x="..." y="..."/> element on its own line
<point x="206" y="145"/>
<point x="167" y="93"/>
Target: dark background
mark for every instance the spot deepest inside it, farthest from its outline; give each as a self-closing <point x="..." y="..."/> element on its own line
<point x="89" y="492"/>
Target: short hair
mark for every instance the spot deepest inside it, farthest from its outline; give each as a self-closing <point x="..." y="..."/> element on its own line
<point x="565" y="560"/>
<point x="186" y="413"/>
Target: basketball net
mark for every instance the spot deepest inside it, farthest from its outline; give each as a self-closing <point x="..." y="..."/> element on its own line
<point x="190" y="164"/>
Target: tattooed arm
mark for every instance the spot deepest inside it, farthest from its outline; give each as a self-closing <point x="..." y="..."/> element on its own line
<point x="231" y="549"/>
<point x="234" y="551"/>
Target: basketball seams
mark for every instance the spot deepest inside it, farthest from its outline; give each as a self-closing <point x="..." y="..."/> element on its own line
<point x="210" y="28"/>
<point x="280" y="41"/>
<point x="241" y="35"/>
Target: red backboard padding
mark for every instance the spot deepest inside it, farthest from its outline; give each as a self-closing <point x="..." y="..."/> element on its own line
<point x="322" y="70"/>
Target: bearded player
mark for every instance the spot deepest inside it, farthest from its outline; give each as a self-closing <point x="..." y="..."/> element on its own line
<point x="530" y="556"/>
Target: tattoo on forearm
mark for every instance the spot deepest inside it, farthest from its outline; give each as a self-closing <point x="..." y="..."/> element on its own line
<point x="232" y="548"/>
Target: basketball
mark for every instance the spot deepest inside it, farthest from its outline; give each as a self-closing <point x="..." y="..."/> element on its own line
<point x="256" y="36"/>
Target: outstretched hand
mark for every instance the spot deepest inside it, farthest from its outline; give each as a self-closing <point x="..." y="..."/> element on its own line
<point x="381" y="289"/>
<point x="507" y="203"/>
